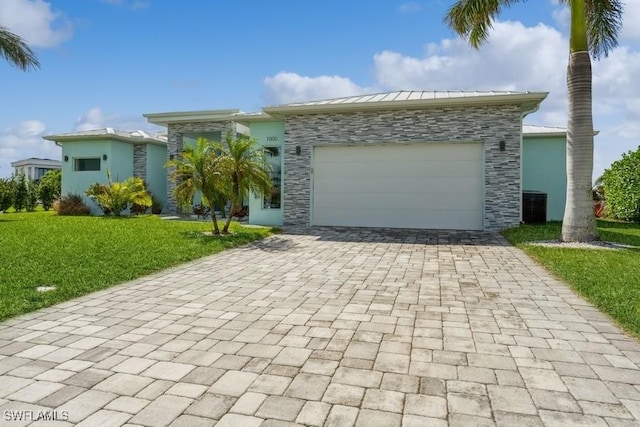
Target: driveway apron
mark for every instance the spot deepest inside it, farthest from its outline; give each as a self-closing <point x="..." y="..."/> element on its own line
<point x="332" y="327"/>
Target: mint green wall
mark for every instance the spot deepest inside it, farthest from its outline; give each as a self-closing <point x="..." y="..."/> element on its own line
<point x="156" y="172"/>
<point x="544" y="169"/>
<point x="119" y="162"/>
<point x="269" y="134"/>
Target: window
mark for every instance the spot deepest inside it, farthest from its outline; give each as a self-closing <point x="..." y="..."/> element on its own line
<point x="92" y="164"/>
<point x="273" y="200"/>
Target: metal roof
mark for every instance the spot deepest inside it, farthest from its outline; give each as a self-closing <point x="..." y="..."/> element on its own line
<point x="543" y="130"/>
<point x="412" y="99"/>
<point x="136" y="136"/>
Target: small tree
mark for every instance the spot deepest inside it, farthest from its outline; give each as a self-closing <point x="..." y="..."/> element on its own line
<point x="246" y="169"/>
<point x="6" y="194"/>
<point x="31" y="201"/>
<point x="49" y="188"/>
<point x="622" y="187"/>
<point x="20" y="192"/>
<point x="118" y="196"/>
<point x="199" y="168"/>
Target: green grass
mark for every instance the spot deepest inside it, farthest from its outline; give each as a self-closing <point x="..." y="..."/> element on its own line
<point x="79" y="255"/>
<point x="608" y="279"/>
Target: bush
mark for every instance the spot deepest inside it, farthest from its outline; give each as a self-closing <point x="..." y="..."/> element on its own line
<point x="20" y="191"/>
<point x="6" y="194"/>
<point x="71" y="204"/>
<point x="49" y="188"/>
<point x="622" y="187"/>
<point x="118" y="196"/>
<point x="31" y="201"/>
<point x="156" y="205"/>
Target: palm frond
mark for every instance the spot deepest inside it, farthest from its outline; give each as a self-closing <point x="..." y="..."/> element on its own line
<point x="15" y="50"/>
<point x="473" y="19"/>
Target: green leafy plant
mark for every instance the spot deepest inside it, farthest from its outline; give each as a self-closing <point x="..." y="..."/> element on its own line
<point x="118" y="196"/>
<point x="245" y="169"/>
<point x="622" y="187"/>
<point x="49" y="188"/>
<point x="20" y="191"/>
<point x="31" y="201"/>
<point x="199" y="168"/>
<point x="71" y="204"/>
<point x="6" y="194"/>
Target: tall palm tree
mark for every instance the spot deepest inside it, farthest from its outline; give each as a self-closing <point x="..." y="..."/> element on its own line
<point x="246" y="169"/>
<point x="15" y="50"/>
<point x="199" y="168"/>
<point x="595" y="25"/>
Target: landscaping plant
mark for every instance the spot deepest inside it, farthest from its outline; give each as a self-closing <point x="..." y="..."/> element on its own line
<point x="622" y="187"/>
<point x="118" y="196"/>
<point x="71" y="204"/>
<point x="20" y="191"/>
<point x="31" y="201"/>
<point x="246" y="170"/>
<point x="6" y="194"/>
<point x="49" y="188"/>
<point x="199" y="168"/>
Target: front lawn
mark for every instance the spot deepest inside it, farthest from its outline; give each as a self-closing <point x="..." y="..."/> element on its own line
<point x="609" y="279"/>
<point x="79" y="255"/>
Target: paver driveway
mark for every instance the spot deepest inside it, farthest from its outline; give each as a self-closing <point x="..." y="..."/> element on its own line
<point x="342" y="327"/>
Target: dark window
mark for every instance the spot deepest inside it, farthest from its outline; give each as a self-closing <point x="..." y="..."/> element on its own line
<point x="92" y="164"/>
<point x="273" y="200"/>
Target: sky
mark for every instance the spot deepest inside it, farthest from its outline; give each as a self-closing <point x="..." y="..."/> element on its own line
<point x="104" y="63"/>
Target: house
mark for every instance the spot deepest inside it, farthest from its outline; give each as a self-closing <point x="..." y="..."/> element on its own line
<point x="418" y="159"/>
<point x="88" y="155"/>
<point x="34" y="168"/>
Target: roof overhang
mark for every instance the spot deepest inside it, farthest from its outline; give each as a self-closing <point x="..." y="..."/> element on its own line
<point x="529" y="101"/>
<point x="84" y="138"/>
<point x="163" y="119"/>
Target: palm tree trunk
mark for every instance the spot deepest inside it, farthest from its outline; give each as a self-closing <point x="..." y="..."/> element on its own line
<point x="216" y="230"/>
<point x="579" y="224"/>
<point x="232" y="209"/>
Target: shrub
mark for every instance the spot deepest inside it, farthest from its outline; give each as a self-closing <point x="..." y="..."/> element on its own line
<point x="20" y="191"/>
<point x="118" y="196"/>
<point x="156" y="205"/>
<point x="31" y="201"/>
<point x="71" y="204"/>
<point x="622" y="187"/>
<point x="6" y="194"/>
<point x="49" y="188"/>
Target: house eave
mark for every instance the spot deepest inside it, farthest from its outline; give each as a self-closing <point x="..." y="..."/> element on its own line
<point x="528" y="101"/>
<point x="163" y="119"/>
<point x="90" y="138"/>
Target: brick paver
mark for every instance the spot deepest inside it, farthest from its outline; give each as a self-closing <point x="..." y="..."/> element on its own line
<point x="327" y="327"/>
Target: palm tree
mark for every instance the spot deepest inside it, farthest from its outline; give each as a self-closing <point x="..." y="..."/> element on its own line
<point x="595" y="25"/>
<point x="199" y="168"/>
<point x="246" y="169"/>
<point x="15" y="50"/>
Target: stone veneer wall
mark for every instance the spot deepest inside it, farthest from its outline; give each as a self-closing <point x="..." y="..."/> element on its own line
<point x="175" y="132"/>
<point x="140" y="161"/>
<point x="489" y="125"/>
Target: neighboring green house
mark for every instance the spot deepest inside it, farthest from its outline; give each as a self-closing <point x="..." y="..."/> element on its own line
<point x="88" y="155"/>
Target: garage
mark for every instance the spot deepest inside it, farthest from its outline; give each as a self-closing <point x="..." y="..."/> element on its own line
<point x="418" y="185"/>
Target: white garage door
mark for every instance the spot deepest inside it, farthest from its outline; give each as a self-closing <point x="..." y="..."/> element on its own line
<point x="439" y="186"/>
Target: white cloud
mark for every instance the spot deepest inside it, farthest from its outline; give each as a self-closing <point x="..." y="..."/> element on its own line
<point x="291" y="87"/>
<point x="630" y="20"/>
<point x="22" y="141"/>
<point x="515" y="57"/>
<point x="95" y="118"/>
<point x="36" y="22"/>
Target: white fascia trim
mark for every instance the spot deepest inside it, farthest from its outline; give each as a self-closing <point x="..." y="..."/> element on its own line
<point x="531" y="99"/>
<point x="163" y="119"/>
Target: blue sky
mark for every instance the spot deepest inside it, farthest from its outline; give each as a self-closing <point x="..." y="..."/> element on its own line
<point x="106" y="62"/>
